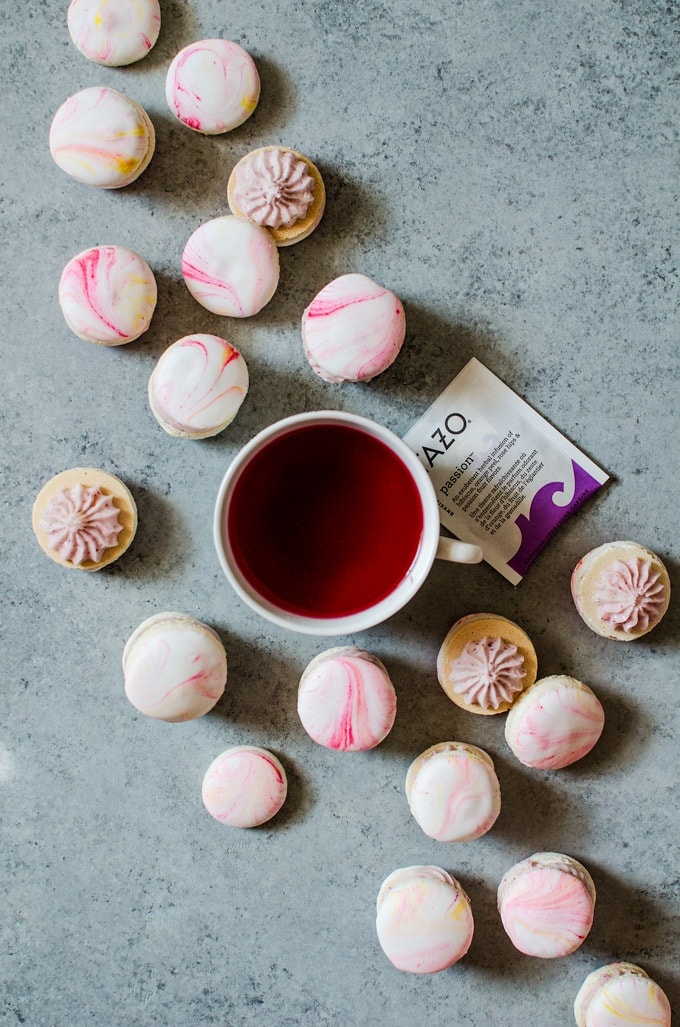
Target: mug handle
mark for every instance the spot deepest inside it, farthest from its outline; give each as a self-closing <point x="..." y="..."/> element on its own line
<point x="458" y="552"/>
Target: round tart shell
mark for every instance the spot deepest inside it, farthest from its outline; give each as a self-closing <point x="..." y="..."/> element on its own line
<point x="304" y="226"/>
<point x="110" y="485"/>
<point x="472" y="629"/>
<point x="588" y="572"/>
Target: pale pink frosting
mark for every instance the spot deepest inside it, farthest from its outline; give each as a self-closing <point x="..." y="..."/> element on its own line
<point x="488" y="672"/>
<point x="274" y="188"/>
<point x="629" y="594"/>
<point x="82" y="523"/>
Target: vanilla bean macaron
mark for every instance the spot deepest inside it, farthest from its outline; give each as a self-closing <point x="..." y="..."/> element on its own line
<point x="280" y="190"/>
<point x="212" y="86"/>
<point x="175" y="667"/>
<point x="621" y="590"/>
<point x="346" y="700"/>
<point x="424" y="920"/>
<point x="621" y="995"/>
<point x="453" y="792"/>
<point x="114" y="32"/>
<point x="245" y="786"/>
<point x="353" y="329"/>
<point x="547" y="904"/>
<point x="485" y="662"/>
<point x="108" y="295"/>
<point x="231" y="266"/>
<point x="197" y="387"/>
<point x="85" y="518"/>
<point x="101" y="137"/>
<point x="554" y="723"/>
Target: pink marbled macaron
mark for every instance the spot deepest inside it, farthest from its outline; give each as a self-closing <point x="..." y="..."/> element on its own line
<point x="101" y="137"/>
<point x="353" y="329"/>
<point x="231" y="266"/>
<point x="453" y="792"/>
<point x="107" y="295"/>
<point x="114" y="32"/>
<point x="621" y="995"/>
<point x="554" y="723"/>
<point x="346" y="700"/>
<point x="175" y="667"/>
<point x="197" y="387"/>
<point x="244" y="787"/>
<point x="212" y="86"/>
<point x="547" y="903"/>
<point x="424" y="920"/>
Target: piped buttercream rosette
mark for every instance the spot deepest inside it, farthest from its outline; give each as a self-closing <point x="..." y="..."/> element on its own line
<point x="84" y="518"/>
<point x="621" y="590"/>
<point x="485" y="662"/>
<point x="279" y="189"/>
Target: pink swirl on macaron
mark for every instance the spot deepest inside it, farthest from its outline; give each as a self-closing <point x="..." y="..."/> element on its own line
<point x="108" y="295"/>
<point x="175" y="668"/>
<point x="453" y="792"/>
<point x="244" y="787"/>
<point x="346" y="700"/>
<point x="81" y="523"/>
<point x="488" y="672"/>
<point x="546" y="904"/>
<point x="198" y="386"/>
<point x="231" y="266"/>
<point x="114" y="32"/>
<point x="212" y="86"/>
<point x="630" y="595"/>
<point x="353" y="329"/>
<point x="273" y="188"/>
<point x="102" y="138"/>
<point x="424" y="920"/>
<point x="556" y="722"/>
<point x="621" y="995"/>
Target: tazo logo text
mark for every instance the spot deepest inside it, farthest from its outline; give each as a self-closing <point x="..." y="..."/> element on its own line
<point x="453" y="426"/>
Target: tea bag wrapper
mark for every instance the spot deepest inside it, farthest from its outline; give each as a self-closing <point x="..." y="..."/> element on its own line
<point x="505" y="479"/>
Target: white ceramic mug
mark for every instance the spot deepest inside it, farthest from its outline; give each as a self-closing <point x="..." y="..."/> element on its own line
<point x="317" y="514"/>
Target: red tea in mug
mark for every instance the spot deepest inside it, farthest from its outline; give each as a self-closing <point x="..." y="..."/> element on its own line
<point x="324" y="521"/>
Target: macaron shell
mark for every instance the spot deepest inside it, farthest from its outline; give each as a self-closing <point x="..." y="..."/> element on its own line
<point x="110" y="485"/>
<point x="114" y="32"/>
<point x="621" y="995"/>
<point x="353" y="329"/>
<point x="424" y="921"/>
<point x="231" y="267"/>
<point x="212" y="86"/>
<point x="554" y="723"/>
<point x="346" y="700"/>
<point x="588" y="572"/>
<point x="453" y="792"/>
<point x="101" y="137"/>
<point x="546" y="904"/>
<point x="473" y="628"/>
<point x="175" y="667"/>
<point x="108" y="295"/>
<point x="302" y="228"/>
<point x="244" y="787"/>
<point x="197" y="386"/>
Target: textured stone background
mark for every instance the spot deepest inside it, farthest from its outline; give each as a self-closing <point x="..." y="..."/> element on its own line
<point x="509" y="169"/>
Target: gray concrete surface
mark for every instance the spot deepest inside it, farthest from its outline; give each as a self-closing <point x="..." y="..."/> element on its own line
<point x="510" y="170"/>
